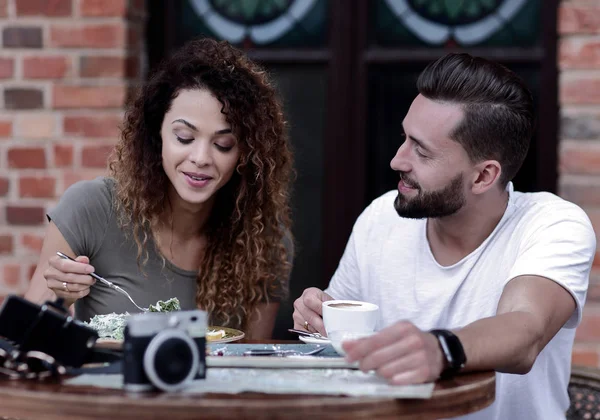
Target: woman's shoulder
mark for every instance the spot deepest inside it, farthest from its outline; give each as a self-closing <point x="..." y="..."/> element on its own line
<point x="93" y="197"/>
<point x="100" y="189"/>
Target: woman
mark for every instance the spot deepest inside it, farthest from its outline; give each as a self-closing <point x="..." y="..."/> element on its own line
<point x="197" y="206"/>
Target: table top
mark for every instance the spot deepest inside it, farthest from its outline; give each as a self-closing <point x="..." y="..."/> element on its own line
<point x="463" y="394"/>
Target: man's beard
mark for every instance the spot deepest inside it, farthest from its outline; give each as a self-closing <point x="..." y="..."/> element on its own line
<point x="430" y="204"/>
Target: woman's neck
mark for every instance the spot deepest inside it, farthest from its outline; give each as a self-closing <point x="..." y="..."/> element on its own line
<point x="185" y="220"/>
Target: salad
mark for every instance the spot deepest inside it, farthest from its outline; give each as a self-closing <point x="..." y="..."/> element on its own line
<point x="112" y="326"/>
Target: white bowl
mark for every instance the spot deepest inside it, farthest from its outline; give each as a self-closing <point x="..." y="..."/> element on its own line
<point x="338" y="337"/>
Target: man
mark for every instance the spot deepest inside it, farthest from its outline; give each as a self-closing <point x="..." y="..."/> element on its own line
<point x="499" y="276"/>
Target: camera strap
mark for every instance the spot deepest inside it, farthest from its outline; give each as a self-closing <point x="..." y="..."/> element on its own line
<point x="110" y="361"/>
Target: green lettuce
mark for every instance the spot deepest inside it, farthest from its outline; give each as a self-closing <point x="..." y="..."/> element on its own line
<point x="112" y="326"/>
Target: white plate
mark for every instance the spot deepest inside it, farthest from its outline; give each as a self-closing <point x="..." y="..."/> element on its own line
<point x="312" y="340"/>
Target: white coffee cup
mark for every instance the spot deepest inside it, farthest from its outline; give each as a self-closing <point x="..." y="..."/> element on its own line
<point x="347" y="320"/>
<point x="349" y="315"/>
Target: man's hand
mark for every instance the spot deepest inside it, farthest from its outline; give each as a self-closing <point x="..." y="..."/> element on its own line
<point x="401" y="353"/>
<point x="308" y="313"/>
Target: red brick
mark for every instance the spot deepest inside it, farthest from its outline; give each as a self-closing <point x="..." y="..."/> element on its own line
<point x="103" y="7"/>
<point x="24" y="215"/>
<point x="5" y="129"/>
<point x="36" y="125"/>
<point x="51" y="8"/>
<point x="38" y="187"/>
<point x="134" y="37"/>
<point x="46" y="67"/>
<point x="133" y="67"/>
<point x="106" y="35"/>
<point x="579" y="158"/>
<point x="588" y="330"/>
<point x="27" y="157"/>
<point x="579" y="53"/>
<point x="593" y="294"/>
<point x="6" y="244"/>
<point x="95" y="156"/>
<point x="4" y="186"/>
<point x="594" y="215"/>
<point x="580" y="91"/>
<point x="581" y="194"/>
<point x="596" y="262"/>
<point x="22" y="37"/>
<point x="7" y="68"/>
<point x="103" y="66"/>
<point x="585" y="357"/>
<point x="3" y="13"/>
<point x="70" y="178"/>
<point x="63" y="155"/>
<point x="578" y="18"/>
<point x="32" y="242"/>
<point x="23" y="98"/>
<point x="138" y="7"/>
<point x="12" y="275"/>
<point x="88" y="96"/>
<point x="93" y="125"/>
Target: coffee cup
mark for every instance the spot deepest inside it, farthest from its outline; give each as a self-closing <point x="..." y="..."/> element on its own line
<point x="349" y="315"/>
<point x="347" y="320"/>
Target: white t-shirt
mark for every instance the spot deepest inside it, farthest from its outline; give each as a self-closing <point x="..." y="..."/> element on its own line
<point x="388" y="261"/>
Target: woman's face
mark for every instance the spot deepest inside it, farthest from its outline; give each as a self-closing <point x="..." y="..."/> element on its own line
<point x="199" y="151"/>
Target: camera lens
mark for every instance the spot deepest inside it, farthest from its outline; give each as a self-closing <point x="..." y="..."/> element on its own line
<point x="171" y="360"/>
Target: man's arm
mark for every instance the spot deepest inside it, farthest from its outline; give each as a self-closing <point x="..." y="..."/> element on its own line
<point x="531" y="311"/>
<point x="507" y="342"/>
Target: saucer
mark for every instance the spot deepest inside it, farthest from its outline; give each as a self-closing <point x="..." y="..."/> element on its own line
<point x="313" y="340"/>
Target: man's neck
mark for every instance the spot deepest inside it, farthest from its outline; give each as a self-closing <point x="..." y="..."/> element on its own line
<point x="454" y="237"/>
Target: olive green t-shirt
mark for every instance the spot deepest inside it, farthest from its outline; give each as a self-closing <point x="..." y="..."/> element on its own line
<point x="86" y="217"/>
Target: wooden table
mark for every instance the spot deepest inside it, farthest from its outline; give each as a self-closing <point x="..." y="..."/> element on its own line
<point x="463" y="394"/>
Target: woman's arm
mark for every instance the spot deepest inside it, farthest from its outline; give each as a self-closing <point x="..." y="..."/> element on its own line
<point x="262" y="322"/>
<point x="47" y="276"/>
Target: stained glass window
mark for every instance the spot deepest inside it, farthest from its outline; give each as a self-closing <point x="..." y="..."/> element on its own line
<point x="256" y="23"/>
<point x="466" y="23"/>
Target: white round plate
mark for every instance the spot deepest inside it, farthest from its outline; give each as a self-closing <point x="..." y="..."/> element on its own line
<point x="312" y="340"/>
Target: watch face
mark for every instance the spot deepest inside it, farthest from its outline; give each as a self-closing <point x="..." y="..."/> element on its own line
<point x="452" y="349"/>
<point x="446" y="350"/>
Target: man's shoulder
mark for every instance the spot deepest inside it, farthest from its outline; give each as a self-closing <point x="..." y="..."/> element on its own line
<point x="549" y="206"/>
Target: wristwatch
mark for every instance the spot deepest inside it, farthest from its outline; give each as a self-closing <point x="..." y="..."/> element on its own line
<point x="453" y="352"/>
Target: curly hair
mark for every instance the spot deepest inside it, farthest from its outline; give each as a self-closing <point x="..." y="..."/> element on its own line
<point x="245" y="256"/>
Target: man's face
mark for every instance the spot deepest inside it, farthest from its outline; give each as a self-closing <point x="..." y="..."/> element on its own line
<point x="430" y="164"/>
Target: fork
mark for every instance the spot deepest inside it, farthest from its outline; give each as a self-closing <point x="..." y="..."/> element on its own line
<point x="308" y="334"/>
<point x="106" y="282"/>
<point x="274" y="352"/>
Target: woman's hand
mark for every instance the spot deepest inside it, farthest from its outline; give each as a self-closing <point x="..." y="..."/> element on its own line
<point x="68" y="279"/>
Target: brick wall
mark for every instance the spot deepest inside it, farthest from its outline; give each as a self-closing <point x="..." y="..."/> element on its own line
<point x="579" y="84"/>
<point x="66" y="67"/>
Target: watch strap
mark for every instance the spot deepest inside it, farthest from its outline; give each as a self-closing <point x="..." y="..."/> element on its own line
<point x="452" y="350"/>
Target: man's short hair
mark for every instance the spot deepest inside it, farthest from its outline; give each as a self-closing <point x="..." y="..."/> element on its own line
<point x="498" y="108"/>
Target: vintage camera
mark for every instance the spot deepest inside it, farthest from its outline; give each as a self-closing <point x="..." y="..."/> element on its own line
<point x="164" y="350"/>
